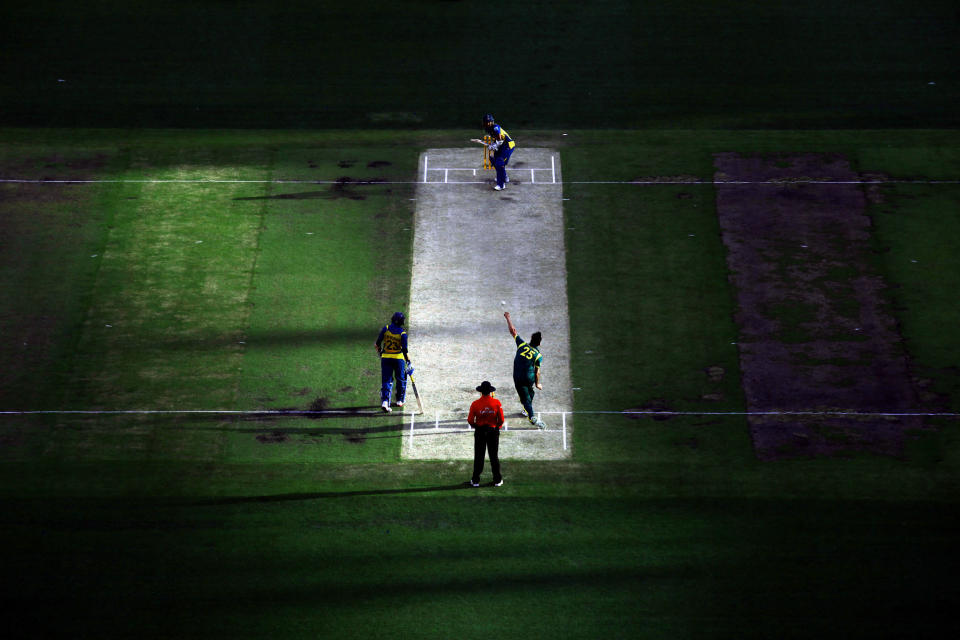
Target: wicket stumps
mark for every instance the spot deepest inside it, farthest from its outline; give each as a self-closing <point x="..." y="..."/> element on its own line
<point x="486" y="153"/>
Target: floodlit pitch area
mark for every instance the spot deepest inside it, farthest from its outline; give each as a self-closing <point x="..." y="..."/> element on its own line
<point x="478" y="253"/>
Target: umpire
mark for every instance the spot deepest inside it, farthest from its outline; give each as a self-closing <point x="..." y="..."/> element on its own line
<point x="486" y="420"/>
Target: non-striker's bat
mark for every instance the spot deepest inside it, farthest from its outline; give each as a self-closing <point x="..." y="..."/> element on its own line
<point x="416" y="393"/>
<point x="413" y="383"/>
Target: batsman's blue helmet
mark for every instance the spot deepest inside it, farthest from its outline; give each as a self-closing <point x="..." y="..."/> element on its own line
<point x="398" y="318"/>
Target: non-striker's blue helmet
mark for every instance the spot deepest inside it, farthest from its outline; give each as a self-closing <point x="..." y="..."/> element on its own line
<point x="398" y="318"/>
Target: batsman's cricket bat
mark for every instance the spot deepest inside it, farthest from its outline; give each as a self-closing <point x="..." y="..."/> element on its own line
<point x="416" y="393"/>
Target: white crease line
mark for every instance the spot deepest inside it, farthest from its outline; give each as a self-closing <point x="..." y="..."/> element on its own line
<point x="282" y="412"/>
<point x="781" y="183"/>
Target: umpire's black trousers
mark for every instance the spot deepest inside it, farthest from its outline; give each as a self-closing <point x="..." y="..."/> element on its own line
<point x="486" y="440"/>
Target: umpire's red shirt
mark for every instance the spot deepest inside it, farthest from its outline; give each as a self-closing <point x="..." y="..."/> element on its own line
<point x="486" y="411"/>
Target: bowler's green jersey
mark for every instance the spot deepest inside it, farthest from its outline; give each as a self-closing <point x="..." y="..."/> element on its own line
<point x="528" y="358"/>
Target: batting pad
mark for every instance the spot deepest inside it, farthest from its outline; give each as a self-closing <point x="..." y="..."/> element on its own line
<point x="478" y="253"/>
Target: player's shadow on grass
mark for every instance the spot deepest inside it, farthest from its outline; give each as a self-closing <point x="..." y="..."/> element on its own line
<point x="322" y="495"/>
<point x="393" y="430"/>
<point x="361" y="433"/>
<point x="265" y="339"/>
<point x="320" y="412"/>
<point x="343" y="187"/>
<point x="307" y="195"/>
<point x="280" y="425"/>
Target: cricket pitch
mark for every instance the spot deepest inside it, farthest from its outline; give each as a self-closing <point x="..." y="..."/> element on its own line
<point x="478" y="253"/>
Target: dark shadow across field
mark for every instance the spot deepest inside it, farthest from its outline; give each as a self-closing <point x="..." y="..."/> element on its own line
<point x="320" y="495"/>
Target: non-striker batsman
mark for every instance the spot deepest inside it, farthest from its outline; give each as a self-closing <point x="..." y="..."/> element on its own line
<point x="391" y="346"/>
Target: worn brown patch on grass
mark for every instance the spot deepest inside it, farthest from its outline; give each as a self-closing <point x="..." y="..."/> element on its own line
<point x="37" y="279"/>
<point x="815" y="332"/>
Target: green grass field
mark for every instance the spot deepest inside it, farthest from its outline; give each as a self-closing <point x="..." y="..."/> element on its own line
<point x="176" y="272"/>
<point x="262" y="296"/>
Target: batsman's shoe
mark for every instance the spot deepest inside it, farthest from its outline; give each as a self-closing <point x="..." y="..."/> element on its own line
<point x="523" y="412"/>
<point x="386" y="407"/>
<point x="498" y="188"/>
<point x="474" y="484"/>
<point x="498" y="483"/>
<point x="538" y="423"/>
<point x="398" y="403"/>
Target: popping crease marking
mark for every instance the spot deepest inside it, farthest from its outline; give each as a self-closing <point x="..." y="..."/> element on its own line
<point x="446" y="173"/>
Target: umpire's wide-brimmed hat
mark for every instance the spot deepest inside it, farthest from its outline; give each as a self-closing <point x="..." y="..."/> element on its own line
<point x="486" y="387"/>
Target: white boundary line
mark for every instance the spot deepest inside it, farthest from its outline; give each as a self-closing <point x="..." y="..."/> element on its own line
<point x="779" y="183"/>
<point x="436" y="427"/>
<point x="564" y="414"/>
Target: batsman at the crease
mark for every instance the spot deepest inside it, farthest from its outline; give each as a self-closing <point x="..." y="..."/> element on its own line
<point x="501" y="148"/>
